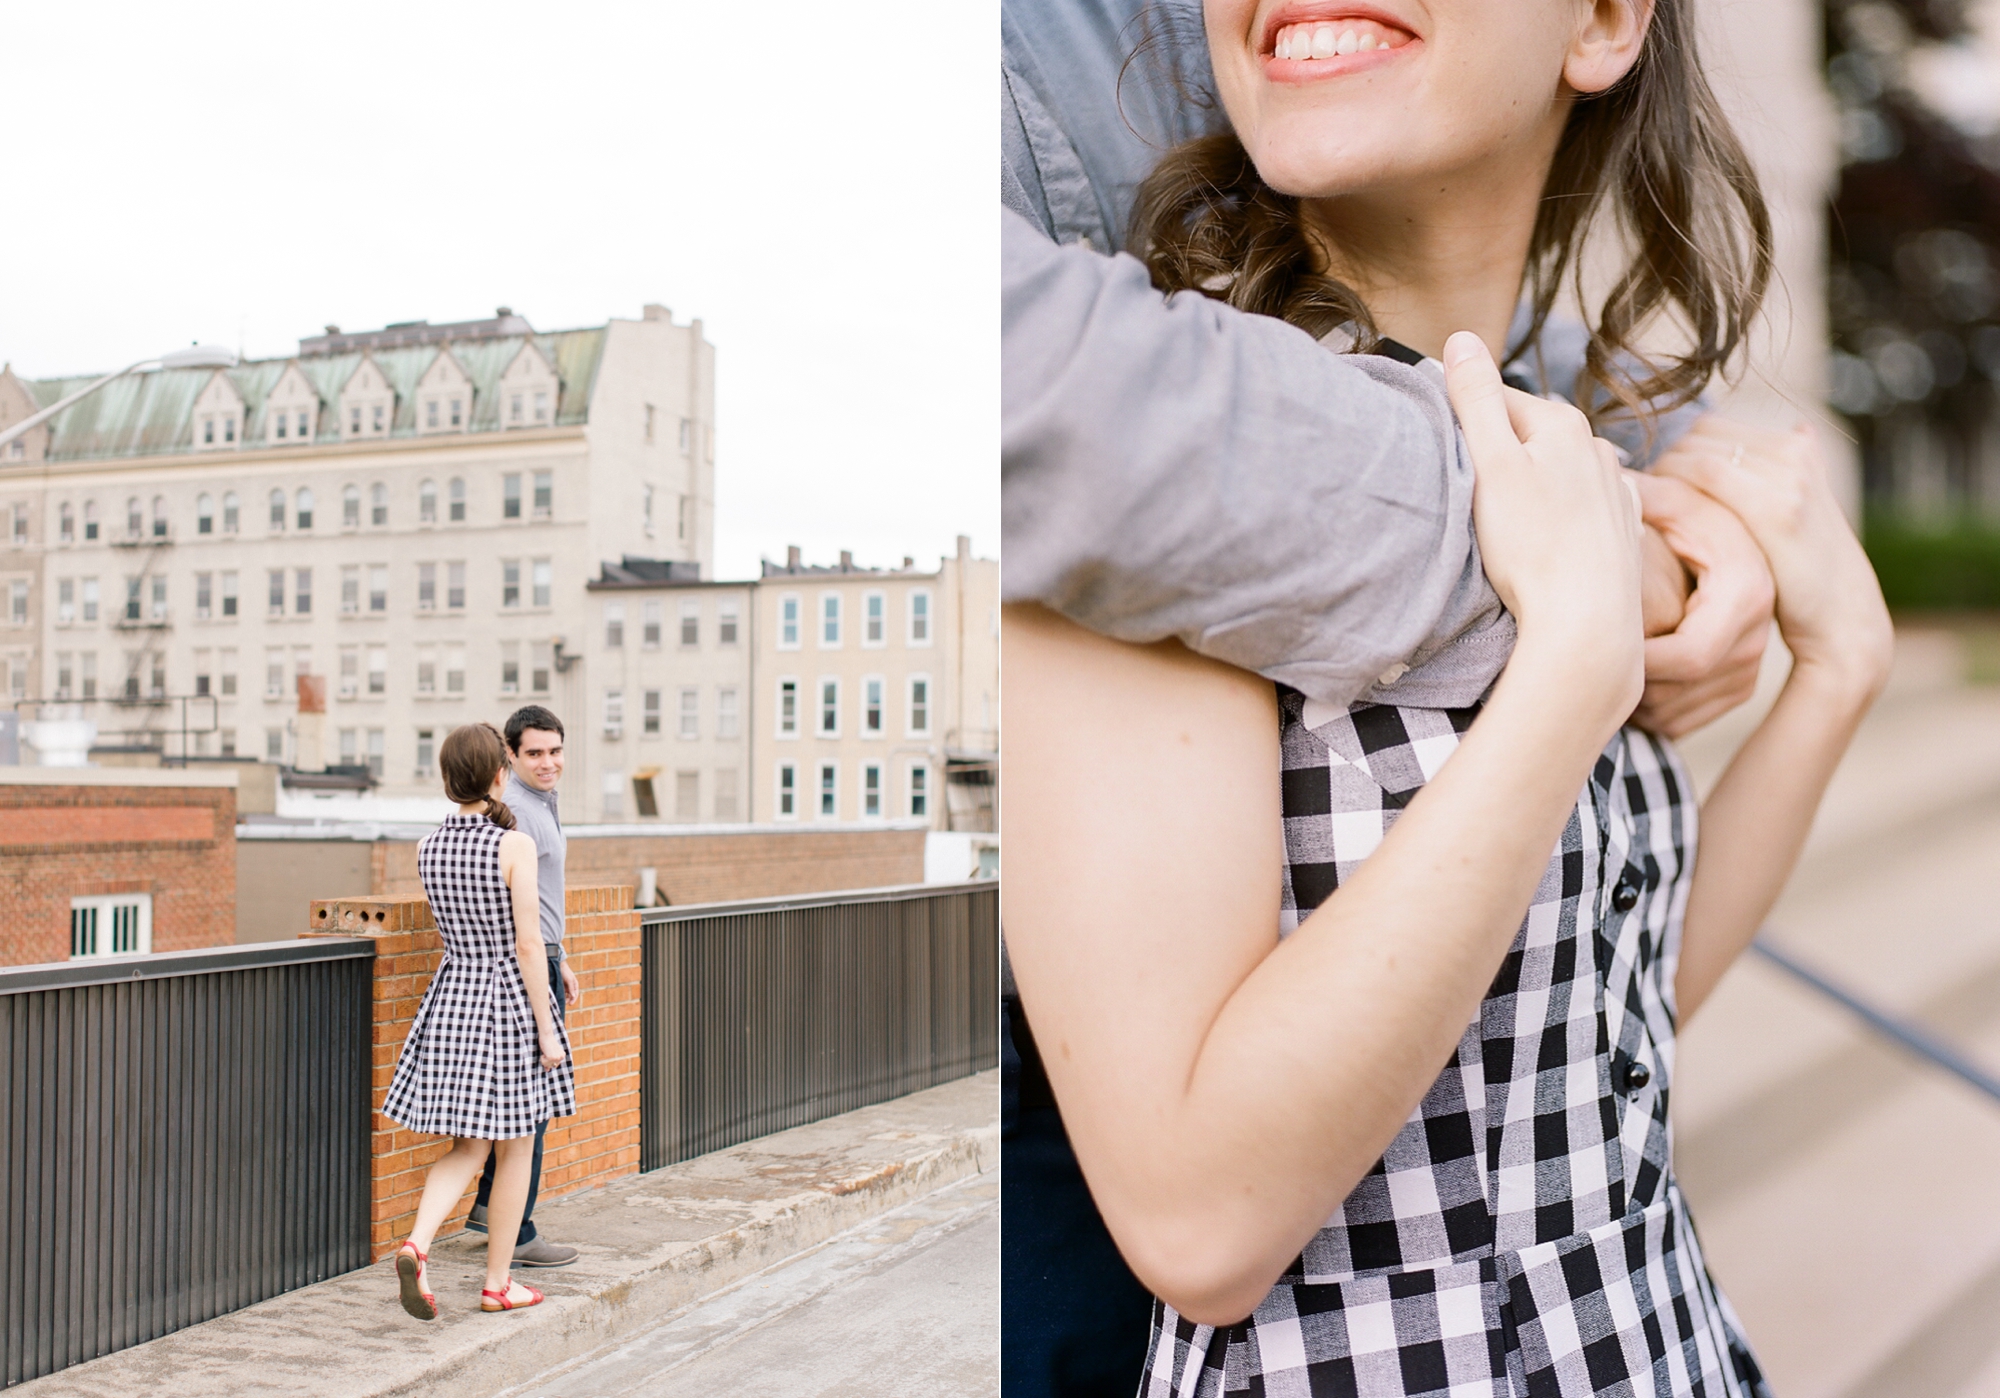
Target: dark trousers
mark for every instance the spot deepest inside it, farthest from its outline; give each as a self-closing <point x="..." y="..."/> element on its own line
<point x="1074" y="1321"/>
<point x="541" y="1128"/>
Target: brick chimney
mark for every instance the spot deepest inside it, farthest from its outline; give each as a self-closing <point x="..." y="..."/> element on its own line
<point x="847" y="560"/>
<point x="791" y="558"/>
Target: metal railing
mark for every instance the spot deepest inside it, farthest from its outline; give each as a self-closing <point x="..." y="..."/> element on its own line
<point x="181" y="1135"/>
<point x="766" y="1015"/>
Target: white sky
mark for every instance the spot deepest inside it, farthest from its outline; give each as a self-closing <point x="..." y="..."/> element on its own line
<point x="815" y="183"/>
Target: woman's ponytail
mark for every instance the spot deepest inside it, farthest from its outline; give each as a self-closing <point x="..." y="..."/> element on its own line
<point x="497" y="812"/>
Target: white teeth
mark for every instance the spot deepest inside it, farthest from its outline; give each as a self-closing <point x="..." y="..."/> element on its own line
<point x="1325" y="42"/>
<point x="1349" y="41"/>
<point x="1285" y="44"/>
<point x="1299" y="42"/>
<point x="1367" y="43"/>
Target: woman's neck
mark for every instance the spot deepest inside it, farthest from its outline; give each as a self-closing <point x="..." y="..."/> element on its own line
<point x="1448" y="257"/>
<point x="473" y="807"/>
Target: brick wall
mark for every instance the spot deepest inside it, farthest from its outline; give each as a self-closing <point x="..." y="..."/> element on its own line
<point x="599" y="1143"/>
<point x="61" y="841"/>
<point x="715" y="868"/>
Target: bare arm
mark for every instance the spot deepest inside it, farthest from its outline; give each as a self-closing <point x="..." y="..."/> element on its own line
<point x="1831" y="615"/>
<point x="517" y="867"/>
<point x="1225" y="1092"/>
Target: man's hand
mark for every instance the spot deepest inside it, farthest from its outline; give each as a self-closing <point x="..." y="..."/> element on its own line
<point x="572" y="991"/>
<point x="1708" y="665"/>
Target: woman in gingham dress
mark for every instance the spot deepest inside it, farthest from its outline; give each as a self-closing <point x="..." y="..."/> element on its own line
<point x="1247" y="929"/>
<point x="485" y="1061"/>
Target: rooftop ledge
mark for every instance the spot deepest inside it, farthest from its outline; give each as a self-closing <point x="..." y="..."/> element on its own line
<point x="117" y="776"/>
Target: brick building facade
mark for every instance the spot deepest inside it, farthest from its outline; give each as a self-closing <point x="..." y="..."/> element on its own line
<point x="159" y="840"/>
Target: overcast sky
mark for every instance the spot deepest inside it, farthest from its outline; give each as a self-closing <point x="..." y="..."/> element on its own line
<point x="815" y="183"/>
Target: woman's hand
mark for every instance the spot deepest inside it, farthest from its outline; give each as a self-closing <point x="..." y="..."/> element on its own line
<point x="552" y="1048"/>
<point x="1558" y="525"/>
<point x="1830" y="608"/>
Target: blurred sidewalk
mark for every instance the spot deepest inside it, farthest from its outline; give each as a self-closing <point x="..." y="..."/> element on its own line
<point x="1849" y="1195"/>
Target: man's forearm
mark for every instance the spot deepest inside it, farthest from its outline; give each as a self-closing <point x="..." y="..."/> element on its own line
<point x="1177" y="468"/>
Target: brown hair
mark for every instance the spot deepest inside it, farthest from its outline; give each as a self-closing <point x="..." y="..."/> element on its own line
<point x="1655" y="147"/>
<point x="470" y="758"/>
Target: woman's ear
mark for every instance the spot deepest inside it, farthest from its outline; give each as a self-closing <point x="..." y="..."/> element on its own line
<point x="1607" y="44"/>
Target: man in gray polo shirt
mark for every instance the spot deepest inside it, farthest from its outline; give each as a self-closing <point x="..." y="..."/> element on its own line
<point x="535" y="743"/>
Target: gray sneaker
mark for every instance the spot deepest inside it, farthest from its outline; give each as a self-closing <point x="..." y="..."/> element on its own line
<point x="540" y="1252"/>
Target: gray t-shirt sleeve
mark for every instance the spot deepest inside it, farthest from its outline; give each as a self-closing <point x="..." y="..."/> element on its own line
<point x="1174" y="468"/>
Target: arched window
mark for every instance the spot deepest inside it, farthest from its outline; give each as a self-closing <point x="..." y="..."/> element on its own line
<point x="135" y="522"/>
<point x="350" y="507"/>
<point x="159" y="516"/>
<point x="90" y="519"/>
<point x="305" y="510"/>
<point x="458" y="499"/>
<point x="427" y="503"/>
<point x="204" y="513"/>
<point x="231" y="507"/>
<point x="277" y="509"/>
<point x="378" y="504"/>
<point x="67" y="528"/>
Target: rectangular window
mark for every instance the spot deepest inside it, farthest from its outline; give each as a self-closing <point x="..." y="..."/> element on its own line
<point x="17" y="602"/>
<point x="90" y="596"/>
<point x="378" y="670"/>
<point x="378" y="504"/>
<point x="874" y="624"/>
<point x="725" y="793"/>
<point x="427" y="669"/>
<point x="727" y="720"/>
<point x="829" y="708"/>
<point x="430" y="414"/>
<point x="302" y="591"/>
<point x="651" y="714"/>
<point x="871" y="791"/>
<point x="227" y="677"/>
<point x="690" y="623"/>
<point x="687" y="435"/>
<point x="788" y="623"/>
<point x="920" y="618"/>
<point x="276" y="593"/>
<point x="86" y="674"/>
<point x="20" y="526"/>
<point x="829" y="780"/>
<point x="650" y="635"/>
<point x="229" y="594"/>
<point x="510" y="582"/>
<point x="510" y="495"/>
<point x="544" y="581"/>
<point x="541" y="660"/>
<point x="545" y="489"/>
<point x="135" y="604"/>
<point x="541" y="405"/>
<point x="204" y="595"/>
<point x="228" y="737"/>
<point x="274" y="745"/>
<point x="65" y="674"/>
<point x="920" y="706"/>
<point x="378" y="587"/>
<point x="67" y="529"/>
<point x="350" y="747"/>
<point x="614" y="713"/>
<point x="614" y="625"/>
<point x="350" y="671"/>
<point x="454" y="587"/>
<point x="454" y="669"/>
<point x="118" y="924"/>
<point x="457" y="412"/>
<point x="787" y="791"/>
<point x="378" y="752"/>
<point x="920" y="792"/>
<point x="725" y="623"/>
<point x="277" y="509"/>
<point x="426" y="751"/>
<point x="350" y="508"/>
<point x="156" y="680"/>
<point x="158" y="611"/>
<point x="788" y="708"/>
<point x="871" y="708"/>
<point x="350" y="589"/>
<point x="89" y="519"/>
<point x="829" y="620"/>
<point x="427" y="587"/>
<point x="690" y="712"/>
<point x="456" y="511"/>
<point x="510" y="667"/>
<point x="274" y="672"/>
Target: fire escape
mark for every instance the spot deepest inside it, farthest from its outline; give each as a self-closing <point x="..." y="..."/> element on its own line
<point x="142" y="624"/>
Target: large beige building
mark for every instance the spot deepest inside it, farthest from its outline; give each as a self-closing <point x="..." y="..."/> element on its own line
<point x="406" y="516"/>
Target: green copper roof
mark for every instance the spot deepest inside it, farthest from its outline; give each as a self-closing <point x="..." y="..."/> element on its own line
<point x="152" y="414"/>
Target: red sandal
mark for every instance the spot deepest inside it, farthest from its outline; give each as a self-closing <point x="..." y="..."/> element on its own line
<point x="409" y="1277"/>
<point x="498" y="1300"/>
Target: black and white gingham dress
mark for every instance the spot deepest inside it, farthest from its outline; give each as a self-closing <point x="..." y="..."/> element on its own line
<point x="472" y="1064"/>
<point x="1523" y="1234"/>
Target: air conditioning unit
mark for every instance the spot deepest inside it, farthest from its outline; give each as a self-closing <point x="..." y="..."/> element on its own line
<point x="614" y="730"/>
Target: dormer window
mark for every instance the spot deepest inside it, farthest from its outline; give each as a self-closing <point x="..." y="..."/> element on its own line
<point x="431" y="415"/>
<point x="229" y="429"/>
<point x="217" y="414"/>
<point x="443" y="390"/>
<point x="208" y="431"/>
<point x="528" y="388"/>
<point x="292" y="408"/>
<point x="367" y="402"/>
<point x="457" y="416"/>
<point x="541" y="407"/>
<point x="514" y="410"/>
<point x="282" y="420"/>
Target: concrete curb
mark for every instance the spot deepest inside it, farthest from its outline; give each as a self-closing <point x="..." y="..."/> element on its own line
<point x="652" y="1245"/>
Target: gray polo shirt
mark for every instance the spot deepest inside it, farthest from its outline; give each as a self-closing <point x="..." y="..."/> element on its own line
<point x="535" y="816"/>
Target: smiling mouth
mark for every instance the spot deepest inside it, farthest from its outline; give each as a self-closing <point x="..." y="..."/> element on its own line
<point x="1317" y="40"/>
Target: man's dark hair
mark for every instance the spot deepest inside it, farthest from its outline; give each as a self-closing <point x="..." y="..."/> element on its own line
<point x="531" y="716"/>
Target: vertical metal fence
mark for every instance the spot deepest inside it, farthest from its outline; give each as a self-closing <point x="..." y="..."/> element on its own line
<point x="181" y="1135"/>
<point x="766" y="1015"/>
